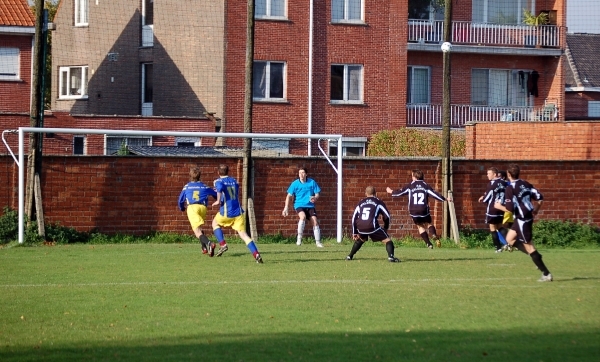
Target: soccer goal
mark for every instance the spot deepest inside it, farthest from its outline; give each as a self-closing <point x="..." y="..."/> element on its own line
<point x="114" y="141"/>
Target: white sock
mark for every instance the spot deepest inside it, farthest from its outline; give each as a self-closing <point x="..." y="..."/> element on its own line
<point x="301" y="228"/>
<point x="317" y="232"/>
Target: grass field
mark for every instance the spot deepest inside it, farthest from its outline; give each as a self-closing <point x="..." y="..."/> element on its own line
<point x="168" y="302"/>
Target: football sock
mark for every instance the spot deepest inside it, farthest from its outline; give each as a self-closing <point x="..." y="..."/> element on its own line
<point x="537" y="260"/>
<point x="426" y="238"/>
<point x="301" y="228"/>
<point x="432" y="231"/>
<point x="504" y="232"/>
<point x="317" y="232"/>
<point x="252" y="247"/>
<point x="496" y="240"/>
<point x="389" y="247"/>
<point x="219" y="235"/>
<point x="204" y="241"/>
<point x="356" y="247"/>
<point x="519" y="245"/>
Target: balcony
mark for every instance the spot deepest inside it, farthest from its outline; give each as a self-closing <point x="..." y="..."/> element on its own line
<point x="466" y="33"/>
<point x="430" y="115"/>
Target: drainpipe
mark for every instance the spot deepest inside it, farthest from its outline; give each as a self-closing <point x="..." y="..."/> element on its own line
<point x="310" y="74"/>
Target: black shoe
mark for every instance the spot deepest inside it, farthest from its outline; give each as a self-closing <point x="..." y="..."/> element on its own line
<point x="258" y="259"/>
<point x="348" y="258"/>
<point x="393" y="260"/>
<point x="222" y="249"/>
<point x="430" y="246"/>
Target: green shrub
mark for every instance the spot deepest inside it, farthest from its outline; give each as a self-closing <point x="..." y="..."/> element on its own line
<point x="557" y="233"/>
<point x="415" y="142"/>
<point x="9" y="228"/>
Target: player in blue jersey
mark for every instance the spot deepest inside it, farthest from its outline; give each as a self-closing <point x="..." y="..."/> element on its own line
<point x="305" y="192"/>
<point x="194" y="199"/>
<point x="230" y="213"/>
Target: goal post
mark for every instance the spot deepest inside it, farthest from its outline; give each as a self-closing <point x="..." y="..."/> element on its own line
<point x="21" y="157"/>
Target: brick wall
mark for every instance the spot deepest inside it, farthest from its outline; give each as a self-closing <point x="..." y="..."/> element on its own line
<point x="138" y="195"/>
<point x="576" y="104"/>
<point x="15" y="95"/>
<point x="533" y="140"/>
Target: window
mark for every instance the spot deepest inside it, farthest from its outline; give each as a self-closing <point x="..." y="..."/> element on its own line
<point x="268" y="81"/>
<point x="115" y="145"/>
<point x="188" y="141"/>
<point x="426" y="10"/>
<point x="351" y="146"/>
<point x="81" y="12"/>
<point x="265" y="9"/>
<point x="500" y="12"/>
<point x="9" y="64"/>
<point x="79" y="145"/>
<point x="148" y="23"/>
<point x="346" y="11"/>
<point x="147" y="89"/>
<point x="73" y="82"/>
<point x="418" y="89"/>
<point x="499" y="87"/>
<point x="346" y="83"/>
<point x="594" y="109"/>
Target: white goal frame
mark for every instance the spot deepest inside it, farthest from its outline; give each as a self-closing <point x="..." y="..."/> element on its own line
<point x="23" y="130"/>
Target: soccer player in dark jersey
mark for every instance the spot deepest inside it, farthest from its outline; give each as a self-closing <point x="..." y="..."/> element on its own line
<point x="493" y="194"/>
<point x="418" y="192"/>
<point x="365" y="224"/>
<point x="519" y="199"/>
<point x="231" y="213"/>
<point x="507" y="221"/>
<point x="194" y="199"/>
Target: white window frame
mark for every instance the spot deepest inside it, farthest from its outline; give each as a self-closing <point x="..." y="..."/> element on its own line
<point x="147" y="29"/>
<point x="346" y="19"/>
<point x="82" y="13"/>
<point x="268" y="97"/>
<point x="268" y="11"/>
<point x="511" y="91"/>
<point x="147" y="107"/>
<point x="412" y="85"/>
<point x="594" y="109"/>
<point x="432" y="15"/>
<point x="84" y="138"/>
<point x="519" y="11"/>
<point x="126" y="139"/>
<point x="346" y="80"/>
<point x="83" y="87"/>
<point x="10" y="64"/>
<point x="195" y="140"/>
<point x="349" y="142"/>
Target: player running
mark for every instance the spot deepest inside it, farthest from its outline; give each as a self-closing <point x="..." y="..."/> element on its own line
<point x="230" y="213"/>
<point x="194" y="199"/>
<point x="365" y="224"/>
<point x="493" y="194"/>
<point x="418" y="204"/>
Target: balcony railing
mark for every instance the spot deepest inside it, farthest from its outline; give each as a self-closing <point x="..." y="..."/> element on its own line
<point x="468" y="33"/>
<point x="430" y="115"/>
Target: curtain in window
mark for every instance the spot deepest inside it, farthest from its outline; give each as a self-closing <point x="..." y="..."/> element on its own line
<point x="354" y="9"/>
<point x="499" y="12"/>
<point x="276" y="81"/>
<point x="75" y="81"/>
<point x="337" y="9"/>
<point x="498" y="90"/>
<point x="420" y="85"/>
<point x="479" y="87"/>
<point x="9" y="62"/>
<point x="259" y="74"/>
<point x="354" y="82"/>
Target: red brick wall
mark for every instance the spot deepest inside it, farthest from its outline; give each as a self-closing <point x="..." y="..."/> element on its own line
<point x="62" y="144"/>
<point x="15" y="95"/>
<point x="138" y="195"/>
<point x="576" y="104"/>
<point x="533" y="140"/>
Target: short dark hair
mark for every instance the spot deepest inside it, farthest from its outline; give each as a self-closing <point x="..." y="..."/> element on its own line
<point x="223" y="170"/>
<point x="303" y="169"/>
<point x="502" y="174"/>
<point x="513" y="170"/>
<point x="195" y="173"/>
<point x="370" y="190"/>
<point x="493" y="169"/>
<point x="418" y="174"/>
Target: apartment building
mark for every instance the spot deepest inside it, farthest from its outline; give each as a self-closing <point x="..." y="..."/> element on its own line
<point x="350" y="67"/>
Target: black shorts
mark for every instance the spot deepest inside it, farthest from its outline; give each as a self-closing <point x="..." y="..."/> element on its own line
<point x="524" y="230"/>
<point x="422" y="219"/>
<point x="308" y="211"/>
<point x="494" y="220"/>
<point x="377" y="235"/>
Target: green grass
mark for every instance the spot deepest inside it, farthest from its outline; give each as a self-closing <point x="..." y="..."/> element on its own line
<point x="168" y="302"/>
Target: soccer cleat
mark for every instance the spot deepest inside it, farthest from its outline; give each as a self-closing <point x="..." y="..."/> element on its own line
<point x="546" y="278"/>
<point x="430" y="246"/>
<point x="222" y="249"/>
<point x="393" y="260"/>
<point x="438" y="243"/>
<point x="348" y="258"/>
<point x="204" y="250"/>
<point x="211" y="249"/>
<point x="258" y="259"/>
<point x="319" y="245"/>
<point x="499" y="250"/>
<point x="299" y="241"/>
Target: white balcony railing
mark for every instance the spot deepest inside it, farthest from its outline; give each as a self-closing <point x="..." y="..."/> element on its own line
<point x="428" y="115"/>
<point x="468" y="33"/>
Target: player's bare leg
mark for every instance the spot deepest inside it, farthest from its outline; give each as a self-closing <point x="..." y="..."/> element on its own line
<point x="425" y="235"/>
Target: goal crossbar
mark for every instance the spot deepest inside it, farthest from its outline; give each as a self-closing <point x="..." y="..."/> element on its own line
<point x="23" y="130"/>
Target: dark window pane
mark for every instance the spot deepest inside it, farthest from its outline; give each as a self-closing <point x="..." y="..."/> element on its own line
<point x="337" y="82"/>
<point x="259" y="86"/>
<point x="78" y="145"/>
<point x="276" y="83"/>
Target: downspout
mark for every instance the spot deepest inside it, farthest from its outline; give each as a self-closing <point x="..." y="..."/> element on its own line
<point x="310" y="74"/>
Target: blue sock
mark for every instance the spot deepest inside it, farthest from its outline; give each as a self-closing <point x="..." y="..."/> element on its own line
<point x="219" y="234"/>
<point x="252" y="247"/>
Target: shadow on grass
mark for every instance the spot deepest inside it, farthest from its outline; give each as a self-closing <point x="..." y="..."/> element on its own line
<point x="521" y="345"/>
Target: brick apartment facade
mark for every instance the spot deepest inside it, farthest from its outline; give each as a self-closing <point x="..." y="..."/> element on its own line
<point x="17" y="30"/>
